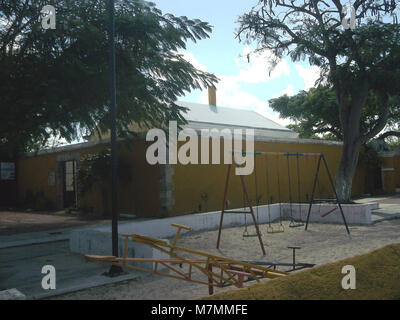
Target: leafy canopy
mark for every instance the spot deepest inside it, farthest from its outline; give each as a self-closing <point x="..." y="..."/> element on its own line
<point x="95" y="170"/>
<point x="315" y="113"/>
<point x="55" y="82"/>
<point x="353" y="62"/>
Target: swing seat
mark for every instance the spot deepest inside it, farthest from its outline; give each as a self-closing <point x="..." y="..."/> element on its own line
<point x="250" y="235"/>
<point x="296" y="225"/>
<point x="271" y="230"/>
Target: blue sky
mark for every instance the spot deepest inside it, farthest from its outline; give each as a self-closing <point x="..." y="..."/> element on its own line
<point x="243" y="85"/>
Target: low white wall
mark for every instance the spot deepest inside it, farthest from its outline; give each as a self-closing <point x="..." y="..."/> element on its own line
<point x="201" y="221"/>
<point x="99" y="243"/>
<point x="159" y="228"/>
<point x="98" y="240"/>
<point x="354" y="213"/>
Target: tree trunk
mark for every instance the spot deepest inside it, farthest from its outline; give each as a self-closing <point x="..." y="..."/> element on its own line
<point x="346" y="170"/>
<point x="350" y="106"/>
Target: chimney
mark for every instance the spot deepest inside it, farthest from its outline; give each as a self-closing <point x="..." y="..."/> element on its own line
<point x="212" y="96"/>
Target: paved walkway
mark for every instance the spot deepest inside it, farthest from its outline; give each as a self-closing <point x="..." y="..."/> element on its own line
<point x="23" y="255"/>
<point x="20" y="268"/>
<point x="14" y="222"/>
<point x="389" y="207"/>
<point x="30" y="238"/>
<point x="43" y="235"/>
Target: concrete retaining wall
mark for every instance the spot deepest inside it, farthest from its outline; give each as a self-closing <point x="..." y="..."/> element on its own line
<point x="159" y="228"/>
<point x="98" y="240"/>
<point x="354" y="213"/>
<point x="99" y="243"/>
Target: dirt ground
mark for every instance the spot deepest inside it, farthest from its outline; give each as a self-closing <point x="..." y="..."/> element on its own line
<point x="321" y="244"/>
<point x="13" y="222"/>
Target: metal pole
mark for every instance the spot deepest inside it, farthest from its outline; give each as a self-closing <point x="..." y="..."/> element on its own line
<point x="334" y="190"/>
<point x="223" y="204"/>
<point x="252" y="215"/>
<point x="313" y="191"/>
<point x="114" y="270"/>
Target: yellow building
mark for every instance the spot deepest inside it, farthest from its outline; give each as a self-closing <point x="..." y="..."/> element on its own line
<point x="48" y="178"/>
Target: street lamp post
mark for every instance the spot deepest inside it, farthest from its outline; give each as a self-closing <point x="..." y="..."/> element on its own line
<point x="114" y="270"/>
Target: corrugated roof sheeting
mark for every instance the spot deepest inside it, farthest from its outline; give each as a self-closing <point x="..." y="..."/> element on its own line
<point x="228" y="116"/>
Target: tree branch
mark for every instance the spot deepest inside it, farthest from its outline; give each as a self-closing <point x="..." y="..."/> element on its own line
<point x="381" y="122"/>
<point x="386" y="134"/>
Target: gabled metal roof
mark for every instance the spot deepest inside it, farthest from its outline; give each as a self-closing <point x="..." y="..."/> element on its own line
<point x="208" y="114"/>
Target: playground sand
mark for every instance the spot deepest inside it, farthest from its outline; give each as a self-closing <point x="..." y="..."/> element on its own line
<point x="320" y="244"/>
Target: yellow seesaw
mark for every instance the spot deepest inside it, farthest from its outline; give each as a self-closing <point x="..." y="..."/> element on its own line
<point x="230" y="271"/>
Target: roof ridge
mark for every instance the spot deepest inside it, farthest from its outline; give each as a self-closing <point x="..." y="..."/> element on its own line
<point x="201" y="112"/>
<point x="269" y="119"/>
<point x="210" y="105"/>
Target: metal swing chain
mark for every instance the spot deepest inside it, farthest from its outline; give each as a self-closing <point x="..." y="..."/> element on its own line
<point x="319" y="188"/>
<point x="245" y="232"/>
<point x="292" y="220"/>
<point x="299" y="185"/>
<point x="279" y="192"/>
<point x="257" y="202"/>
<point x="290" y="190"/>
<point x="267" y="189"/>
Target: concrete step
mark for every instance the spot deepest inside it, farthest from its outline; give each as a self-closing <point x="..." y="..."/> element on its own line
<point x="385" y="213"/>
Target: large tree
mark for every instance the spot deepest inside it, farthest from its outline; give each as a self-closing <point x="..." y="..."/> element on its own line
<point x="354" y="62"/>
<point x="315" y="113"/>
<point x="54" y="83"/>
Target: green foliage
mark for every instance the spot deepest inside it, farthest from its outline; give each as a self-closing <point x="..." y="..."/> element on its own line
<point x="95" y="169"/>
<point x="316" y="112"/>
<point x="358" y="64"/>
<point x="204" y="197"/>
<point x="369" y="157"/>
<point x="394" y="143"/>
<point x="55" y="82"/>
<point x="38" y="201"/>
<point x="361" y="66"/>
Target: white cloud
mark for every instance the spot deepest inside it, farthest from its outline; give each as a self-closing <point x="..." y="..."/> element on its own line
<point x="288" y="91"/>
<point x="257" y="69"/>
<point x="272" y="115"/>
<point x="191" y="58"/>
<point x="229" y="93"/>
<point x="309" y="75"/>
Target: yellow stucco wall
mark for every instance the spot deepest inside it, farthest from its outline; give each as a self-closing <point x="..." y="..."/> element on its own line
<point x="396" y="165"/>
<point x="140" y="197"/>
<point x="390" y="178"/>
<point x="191" y="181"/>
<point x="32" y="177"/>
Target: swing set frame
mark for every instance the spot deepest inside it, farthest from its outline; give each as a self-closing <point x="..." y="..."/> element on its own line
<point x="246" y="198"/>
<point x="321" y="158"/>
<point x="336" y="199"/>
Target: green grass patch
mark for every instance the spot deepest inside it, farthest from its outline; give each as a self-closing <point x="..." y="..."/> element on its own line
<point x="377" y="277"/>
